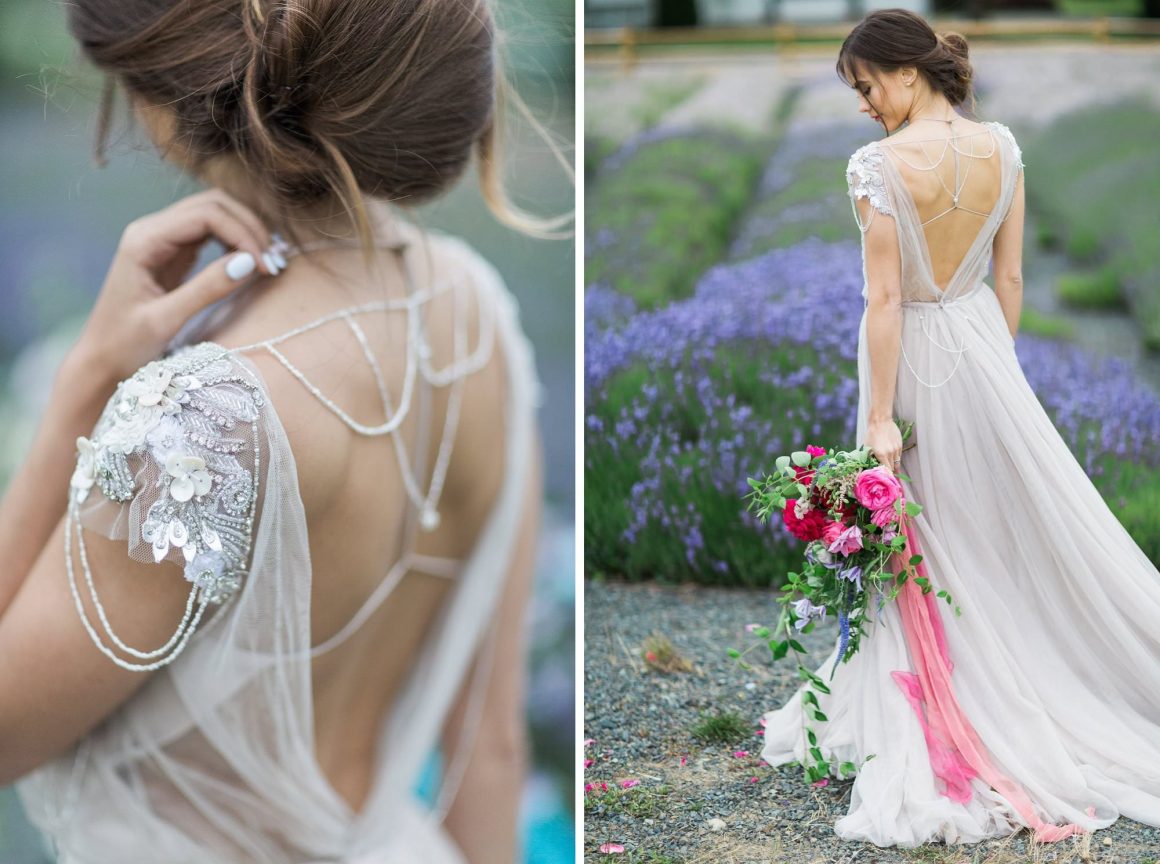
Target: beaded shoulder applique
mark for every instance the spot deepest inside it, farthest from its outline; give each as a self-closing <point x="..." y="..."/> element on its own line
<point x="1006" y="133"/>
<point x="187" y="425"/>
<point x="864" y="174"/>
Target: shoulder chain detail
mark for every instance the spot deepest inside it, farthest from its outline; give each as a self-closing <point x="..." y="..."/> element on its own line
<point x="194" y="417"/>
<point x="864" y="174"/>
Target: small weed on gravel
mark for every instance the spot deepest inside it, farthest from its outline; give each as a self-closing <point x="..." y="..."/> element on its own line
<point x="727" y="728"/>
<point x="660" y="654"/>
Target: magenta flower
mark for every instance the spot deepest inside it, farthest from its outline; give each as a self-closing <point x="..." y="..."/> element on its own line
<point x="850" y="540"/>
<point x="876" y="488"/>
<point x="740" y="754"/>
<point x="628" y="784"/>
<point x="815" y="451"/>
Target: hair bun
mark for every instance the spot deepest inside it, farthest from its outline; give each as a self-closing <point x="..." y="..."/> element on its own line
<point x="956" y="43"/>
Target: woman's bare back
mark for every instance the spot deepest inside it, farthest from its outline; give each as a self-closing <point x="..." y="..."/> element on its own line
<point x="954" y="179"/>
<point x="352" y="486"/>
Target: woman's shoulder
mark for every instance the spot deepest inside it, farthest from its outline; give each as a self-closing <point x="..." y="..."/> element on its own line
<point x="1004" y="133"/>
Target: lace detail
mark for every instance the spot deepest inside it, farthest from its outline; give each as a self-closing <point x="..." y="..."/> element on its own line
<point x="865" y="179"/>
<point x="188" y="423"/>
<point x="1006" y="134"/>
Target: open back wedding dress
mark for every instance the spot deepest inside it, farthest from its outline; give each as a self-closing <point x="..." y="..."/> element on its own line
<point x="214" y="760"/>
<point x="1040" y="704"/>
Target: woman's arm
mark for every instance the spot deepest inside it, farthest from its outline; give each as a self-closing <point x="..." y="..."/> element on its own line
<point x="35" y="500"/>
<point x="54" y="684"/>
<point x="883" y="330"/>
<point x="1007" y="260"/>
<point x="484" y="815"/>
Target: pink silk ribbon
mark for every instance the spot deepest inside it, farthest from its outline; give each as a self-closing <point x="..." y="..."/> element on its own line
<point x="956" y="753"/>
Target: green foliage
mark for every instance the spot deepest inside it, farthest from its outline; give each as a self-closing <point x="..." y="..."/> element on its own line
<point x="1100" y="8"/>
<point x="1099" y="289"/>
<point x="813" y="204"/>
<point x="661" y="97"/>
<point x="1093" y="177"/>
<point x="725" y="728"/>
<point x="665" y="215"/>
<point x="1139" y="512"/>
<point x="754" y="559"/>
<point x="1048" y="326"/>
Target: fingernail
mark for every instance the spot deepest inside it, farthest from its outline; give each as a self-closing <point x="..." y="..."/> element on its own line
<point x="240" y="266"/>
<point x="279" y="258"/>
<point x="268" y="260"/>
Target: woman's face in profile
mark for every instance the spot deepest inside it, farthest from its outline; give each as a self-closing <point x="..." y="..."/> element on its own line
<point x="881" y="95"/>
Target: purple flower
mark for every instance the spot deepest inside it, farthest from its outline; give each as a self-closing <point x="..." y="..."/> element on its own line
<point x="804" y="610"/>
<point x="854" y="574"/>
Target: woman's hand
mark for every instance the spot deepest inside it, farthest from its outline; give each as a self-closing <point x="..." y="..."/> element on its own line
<point x="884" y="439"/>
<point x="145" y="299"/>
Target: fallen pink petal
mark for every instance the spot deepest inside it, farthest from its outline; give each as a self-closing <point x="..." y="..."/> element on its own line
<point x="752" y="779"/>
<point x="683" y="761"/>
<point x="740" y="754"/>
<point x="749" y="628"/>
<point x="825" y="781"/>
<point x="611" y="848"/>
<point x="589" y="741"/>
<point x="628" y="784"/>
<point x="588" y="763"/>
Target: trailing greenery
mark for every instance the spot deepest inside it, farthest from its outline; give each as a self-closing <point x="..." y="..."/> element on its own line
<point x="1094" y="179"/>
<point x="659" y="219"/>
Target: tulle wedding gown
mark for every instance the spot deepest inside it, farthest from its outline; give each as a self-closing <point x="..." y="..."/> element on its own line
<point x="1041" y="705"/>
<point x="213" y="760"/>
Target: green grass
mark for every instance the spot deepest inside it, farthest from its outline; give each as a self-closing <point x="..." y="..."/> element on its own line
<point x="726" y="728"/>
<point x="662" y="97"/>
<point x="1093" y="180"/>
<point x="1139" y="513"/>
<point x="1048" y="326"/>
<point x="640" y="801"/>
<point x="1099" y="289"/>
<point x="754" y="558"/>
<point x="1099" y="8"/>
<point x="666" y="214"/>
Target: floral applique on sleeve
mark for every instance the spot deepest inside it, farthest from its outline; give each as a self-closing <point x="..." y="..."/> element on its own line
<point x="864" y="176"/>
<point x="177" y="447"/>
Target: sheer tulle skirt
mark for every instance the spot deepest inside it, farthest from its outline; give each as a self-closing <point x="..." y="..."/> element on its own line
<point x="1055" y="657"/>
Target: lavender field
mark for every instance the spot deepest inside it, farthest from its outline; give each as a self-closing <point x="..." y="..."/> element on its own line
<point x="721" y="310"/>
<point x="696" y="377"/>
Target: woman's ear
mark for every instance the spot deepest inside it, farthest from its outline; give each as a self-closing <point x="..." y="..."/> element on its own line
<point x="908" y="75"/>
<point x="160" y="122"/>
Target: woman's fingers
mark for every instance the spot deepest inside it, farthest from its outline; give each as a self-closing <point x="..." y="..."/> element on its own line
<point x="214" y="282"/>
<point x="155" y="239"/>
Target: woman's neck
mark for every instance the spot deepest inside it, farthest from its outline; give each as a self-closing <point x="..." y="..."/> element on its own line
<point x="324" y="222"/>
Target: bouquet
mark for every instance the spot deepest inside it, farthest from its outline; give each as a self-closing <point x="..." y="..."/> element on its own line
<point x="849" y="511"/>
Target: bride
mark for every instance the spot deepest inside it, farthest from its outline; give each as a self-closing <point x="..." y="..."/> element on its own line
<point x="1038" y="706"/>
<point x="259" y="562"/>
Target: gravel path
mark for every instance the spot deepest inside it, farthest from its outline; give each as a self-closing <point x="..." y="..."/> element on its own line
<point x="710" y="809"/>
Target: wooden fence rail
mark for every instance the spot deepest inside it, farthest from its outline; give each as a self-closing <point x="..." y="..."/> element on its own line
<point x="629" y="41"/>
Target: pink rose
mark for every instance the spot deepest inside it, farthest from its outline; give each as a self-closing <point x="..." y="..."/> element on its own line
<point x="849" y="540"/>
<point x="831" y="531"/>
<point x="884" y="517"/>
<point x="815" y="451"/>
<point x="876" y="488"/>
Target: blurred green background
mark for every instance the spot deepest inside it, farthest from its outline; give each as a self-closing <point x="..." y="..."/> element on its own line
<point x="61" y="218"/>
